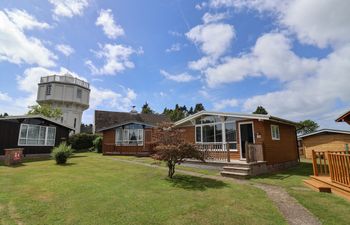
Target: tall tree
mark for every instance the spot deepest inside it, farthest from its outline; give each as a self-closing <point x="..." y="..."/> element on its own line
<point x="199" y="107"/>
<point x="45" y="110"/>
<point x="190" y="112"/>
<point x="260" y="110"/>
<point x="147" y="109"/>
<point x="306" y="126"/>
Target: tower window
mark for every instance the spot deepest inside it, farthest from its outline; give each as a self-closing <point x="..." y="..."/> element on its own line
<point x="48" y="89"/>
<point x="75" y="122"/>
<point x="79" y="93"/>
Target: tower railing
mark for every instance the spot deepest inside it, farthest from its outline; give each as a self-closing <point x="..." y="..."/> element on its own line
<point x="65" y="79"/>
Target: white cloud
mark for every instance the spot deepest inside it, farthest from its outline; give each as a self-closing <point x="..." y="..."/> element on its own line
<point x="316" y="22"/>
<point x="5" y="97"/>
<point x="174" y="48"/>
<point x="106" y="97"/>
<point x="182" y="77"/>
<point x="110" y="28"/>
<point x="271" y="57"/>
<point x="213" y="39"/>
<point x="18" y="48"/>
<point x="201" y="5"/>
<point x="23" y="20"/>
<point x="68" y="8"/>
<point x="210" y="18"/>
<point x="313" y="95"/>
<point x="175" y="33"/>
<point x="65" y="49"/>
<point x="116" y="59"/>
<point x="225" y="103"/>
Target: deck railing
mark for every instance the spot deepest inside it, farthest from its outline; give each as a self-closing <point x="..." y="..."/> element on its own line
<point x="339" y="168"/>
<point x="217" y="151"/>
<point x="335" y="164"/>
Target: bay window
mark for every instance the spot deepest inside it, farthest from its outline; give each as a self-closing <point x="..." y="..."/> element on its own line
<point x="131" y="134"/>
<point x="36" y="135"/>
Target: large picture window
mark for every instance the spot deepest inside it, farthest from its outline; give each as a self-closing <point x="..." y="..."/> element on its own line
<point x="35" y="135"/>
<point x="131" y="134"/>
<point x="209" y="129"/>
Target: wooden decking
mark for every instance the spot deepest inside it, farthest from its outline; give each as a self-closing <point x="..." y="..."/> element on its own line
<point x="331" y="173"/>
<point x="325" y="184"/>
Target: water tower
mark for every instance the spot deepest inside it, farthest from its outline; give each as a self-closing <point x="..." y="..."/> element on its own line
<point x="69" y="94"/>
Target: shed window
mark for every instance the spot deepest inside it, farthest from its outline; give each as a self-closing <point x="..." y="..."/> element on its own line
<point x="131" y="135"/>
<point x="35" y="135"/>
<point x="275" y="132"/>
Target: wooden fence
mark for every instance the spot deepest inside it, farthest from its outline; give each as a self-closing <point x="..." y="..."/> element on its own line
<point x="335" y="164"/>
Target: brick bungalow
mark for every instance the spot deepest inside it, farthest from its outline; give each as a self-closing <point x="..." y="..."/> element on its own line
<point x="126" y="133"/>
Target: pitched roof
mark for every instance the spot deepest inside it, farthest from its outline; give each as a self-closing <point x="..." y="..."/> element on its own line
<point x="237" y="115"/>
<point x="325" y="131"/>
<point x="344" y="117"/>
<point x="106" y="119"/>
<point x="35" y="117"/>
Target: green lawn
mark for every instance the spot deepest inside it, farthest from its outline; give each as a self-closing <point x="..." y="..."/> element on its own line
<point x="93" y="189"/>
<point x="330" y="209"/>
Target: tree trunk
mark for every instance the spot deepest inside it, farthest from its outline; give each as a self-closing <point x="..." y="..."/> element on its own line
<point x="171" y="166"/>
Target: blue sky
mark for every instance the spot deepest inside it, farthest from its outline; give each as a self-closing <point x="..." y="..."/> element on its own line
<point x="231" y="55"/>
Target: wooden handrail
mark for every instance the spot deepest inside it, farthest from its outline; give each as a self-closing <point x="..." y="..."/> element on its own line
<point x="339" y="168"/>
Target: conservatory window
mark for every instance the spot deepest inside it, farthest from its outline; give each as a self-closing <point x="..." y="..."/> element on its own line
<point x="129" y="135"/>
<point x="35" y="135"/>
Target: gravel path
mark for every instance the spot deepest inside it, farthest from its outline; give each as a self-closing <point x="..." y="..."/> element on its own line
<point x="293" y="211"/>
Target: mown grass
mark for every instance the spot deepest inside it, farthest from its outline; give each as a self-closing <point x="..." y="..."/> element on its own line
<point x="329" y="208"/>
<point x="93" y="189"/>
<point x="151" y="161"/>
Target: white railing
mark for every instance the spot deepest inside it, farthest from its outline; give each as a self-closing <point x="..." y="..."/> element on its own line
<point x="215" y="151"/>
<point x="65" y="79"/>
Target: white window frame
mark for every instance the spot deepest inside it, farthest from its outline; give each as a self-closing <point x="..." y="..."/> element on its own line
<point x="46" y="135"/>
<point x="125" y="138"/>
<point x="275" y="132"/>
<point x="223" y="127"/>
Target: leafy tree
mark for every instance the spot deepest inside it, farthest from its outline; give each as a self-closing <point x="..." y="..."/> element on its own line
<point x="306" y="126"/>
<point x="3" y="115"/>
<point x="45" y="110"/>
<point x="260" y="110"/>
<point x="199" y="107"/>
<point x="171" y="147"/>
<point x="190" y="112"/>
<point x="147" y="109"/>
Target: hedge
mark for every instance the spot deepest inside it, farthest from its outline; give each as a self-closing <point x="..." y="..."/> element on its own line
<point x="82" y="141"/>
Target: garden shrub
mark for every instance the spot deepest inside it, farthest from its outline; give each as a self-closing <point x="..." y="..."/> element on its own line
<point x="62" y="153"/>
<point x="82" y="142"/>
<point x="98" y="144"/>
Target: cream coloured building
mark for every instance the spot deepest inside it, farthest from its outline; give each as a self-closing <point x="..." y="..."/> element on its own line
<point x="68" y="93"/>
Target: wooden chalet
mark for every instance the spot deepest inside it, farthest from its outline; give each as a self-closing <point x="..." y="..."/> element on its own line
<point x="36" y="134"/>
<point x="126" y="133"/>
<point x="332" y="168"/>
<point x="244" y="144"/>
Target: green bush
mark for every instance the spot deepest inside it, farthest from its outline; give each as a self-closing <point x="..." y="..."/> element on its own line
<point x="82" y="142"/>
<point x="98" y="144"/>
<point x="62" y="153"/>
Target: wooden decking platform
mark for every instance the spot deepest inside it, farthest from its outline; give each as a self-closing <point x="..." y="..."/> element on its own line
<point x="324" y="184"/>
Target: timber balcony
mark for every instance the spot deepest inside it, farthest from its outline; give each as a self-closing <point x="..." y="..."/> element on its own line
<point x="232" y="164"/>
<point x="331" y="172"/>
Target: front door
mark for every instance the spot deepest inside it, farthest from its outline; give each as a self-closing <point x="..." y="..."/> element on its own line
<point x="246" y="134"/>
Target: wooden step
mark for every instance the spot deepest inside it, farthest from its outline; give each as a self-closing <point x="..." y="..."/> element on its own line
<point x="239" y="175"/>
<point x="236" y="169"/>
<point x="318" y="186"/>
